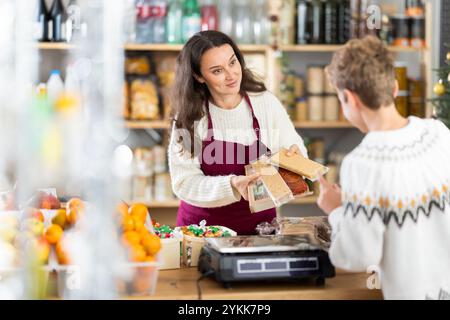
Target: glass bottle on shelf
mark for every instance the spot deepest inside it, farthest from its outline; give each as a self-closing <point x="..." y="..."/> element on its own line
<point x="143" y="22"/>
<point x="158" y="21"/>
<point x="41" y="22"/>
<point x="330" y="22"/>
<point x="344" y="18"/>
<point x="225" y="9"/>
<point x="173" y="22"/>
<point x="243" y="33"/>
<point x="287" y="22"/>
<point x="57" y="20"/>
<point x="303" y="11"/>
<point x="191" y="19"/>
<point x="210" y="19"/>
<point x="316" y="26"/>
<point x="261" y="23"/>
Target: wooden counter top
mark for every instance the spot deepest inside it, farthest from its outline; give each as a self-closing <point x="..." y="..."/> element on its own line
<point x="181" y="284"/>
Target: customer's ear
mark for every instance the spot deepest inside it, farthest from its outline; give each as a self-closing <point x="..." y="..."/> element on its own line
<point x="199" y="78"/>
<point x="395" y="93"/>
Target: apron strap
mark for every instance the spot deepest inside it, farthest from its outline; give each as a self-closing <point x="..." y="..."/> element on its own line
<point x="256" y="127"/>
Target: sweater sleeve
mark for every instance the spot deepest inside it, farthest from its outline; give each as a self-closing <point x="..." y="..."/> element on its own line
<point x="357" y="226"/>
<point x="192" y="186"/>
<point x="356" y="242"/>
<point x="283" y="129"/>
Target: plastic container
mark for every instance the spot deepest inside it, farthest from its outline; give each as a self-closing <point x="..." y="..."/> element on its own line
<point x="55" y="86"/>
<point x="141" y="279"/>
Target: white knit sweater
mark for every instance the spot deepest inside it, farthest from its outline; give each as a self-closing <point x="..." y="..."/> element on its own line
<point x="235" y="125"/>
<point x="396" y="210"/>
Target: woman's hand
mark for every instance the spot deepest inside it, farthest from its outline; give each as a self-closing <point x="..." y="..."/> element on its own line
<point x="240" y="183"/>
<point x="330" y="196"/>
<point x="294" y="149"/>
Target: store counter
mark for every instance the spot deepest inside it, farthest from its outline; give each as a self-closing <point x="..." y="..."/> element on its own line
<point x="181" y="284"/>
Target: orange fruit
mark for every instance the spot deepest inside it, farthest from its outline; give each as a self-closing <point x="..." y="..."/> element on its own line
<point x="151" y="243"/>
<point x="138" y="224"/>
<point x="54" y="233"/>
<point x="131" y="238"/>
<point x="137" y="253"/>
<point x="150" y="259"/>
<point x="139" y="211"/>
<point x="127" y="223"/>
<point x="75" y="203"/>
<point x="74" y="214"/>
<point x="60" y="218"/>
<point x="61" y="253"/>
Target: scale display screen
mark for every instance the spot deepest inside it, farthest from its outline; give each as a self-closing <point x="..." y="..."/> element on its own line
<point x="271" y="265"/>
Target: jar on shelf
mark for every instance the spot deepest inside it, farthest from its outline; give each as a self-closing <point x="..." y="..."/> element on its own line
<point x="301" y="109"/>
<point x="401" y="75"/>
<point x="315" y="79"/>
<point x="331" y="108"/>
<point x="401" y="102"/>
<point x="315" y="107"/>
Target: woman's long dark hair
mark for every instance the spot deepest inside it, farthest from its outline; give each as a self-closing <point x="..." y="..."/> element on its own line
<point x="189" y="95"/>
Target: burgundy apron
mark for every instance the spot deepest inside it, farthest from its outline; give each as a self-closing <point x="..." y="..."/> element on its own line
<point x="236" y="216"/>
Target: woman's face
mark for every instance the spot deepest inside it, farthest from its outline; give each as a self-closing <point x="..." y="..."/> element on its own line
<point x="221" y="71"/>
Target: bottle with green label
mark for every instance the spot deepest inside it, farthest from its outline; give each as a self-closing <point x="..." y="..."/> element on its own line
<point x="191" y="21"/>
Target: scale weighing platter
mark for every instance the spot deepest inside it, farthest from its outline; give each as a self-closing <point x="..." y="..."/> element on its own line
<point x="255" y="244"/>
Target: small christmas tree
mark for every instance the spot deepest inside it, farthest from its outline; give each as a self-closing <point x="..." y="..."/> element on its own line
<point x="442" y="90"/>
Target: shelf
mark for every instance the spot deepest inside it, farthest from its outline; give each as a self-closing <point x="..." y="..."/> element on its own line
<point x="332" y="48"/>
<point x="322" y="124"/>
<point x="245" y="47"/>
<point x="144" y="47"/>
<point x="154" y="124"/>
<point x="55" y="46"/>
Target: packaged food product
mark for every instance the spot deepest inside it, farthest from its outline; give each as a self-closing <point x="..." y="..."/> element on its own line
<point x="298" y="164"/>
<point x="138" y="65"/>
<point x="144" y="100"/>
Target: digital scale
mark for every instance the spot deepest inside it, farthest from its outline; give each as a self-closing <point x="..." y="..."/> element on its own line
<point x="265" y="258"/>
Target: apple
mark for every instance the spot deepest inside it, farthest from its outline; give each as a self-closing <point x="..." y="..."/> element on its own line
<point x="49" y="201"/>
<point x="33" y="225"/>
<point x="33" y="213"/>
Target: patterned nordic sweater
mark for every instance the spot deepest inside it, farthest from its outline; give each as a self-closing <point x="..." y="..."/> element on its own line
<point x="395" y="215"/>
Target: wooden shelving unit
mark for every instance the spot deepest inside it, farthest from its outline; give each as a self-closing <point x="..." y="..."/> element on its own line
<point x="332" y="48"/>
<point x="244" y="47"/>
<point x="154" y="124"/>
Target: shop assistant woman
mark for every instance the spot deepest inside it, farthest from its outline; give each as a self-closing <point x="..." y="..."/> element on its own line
<point x="224" y="118"/>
